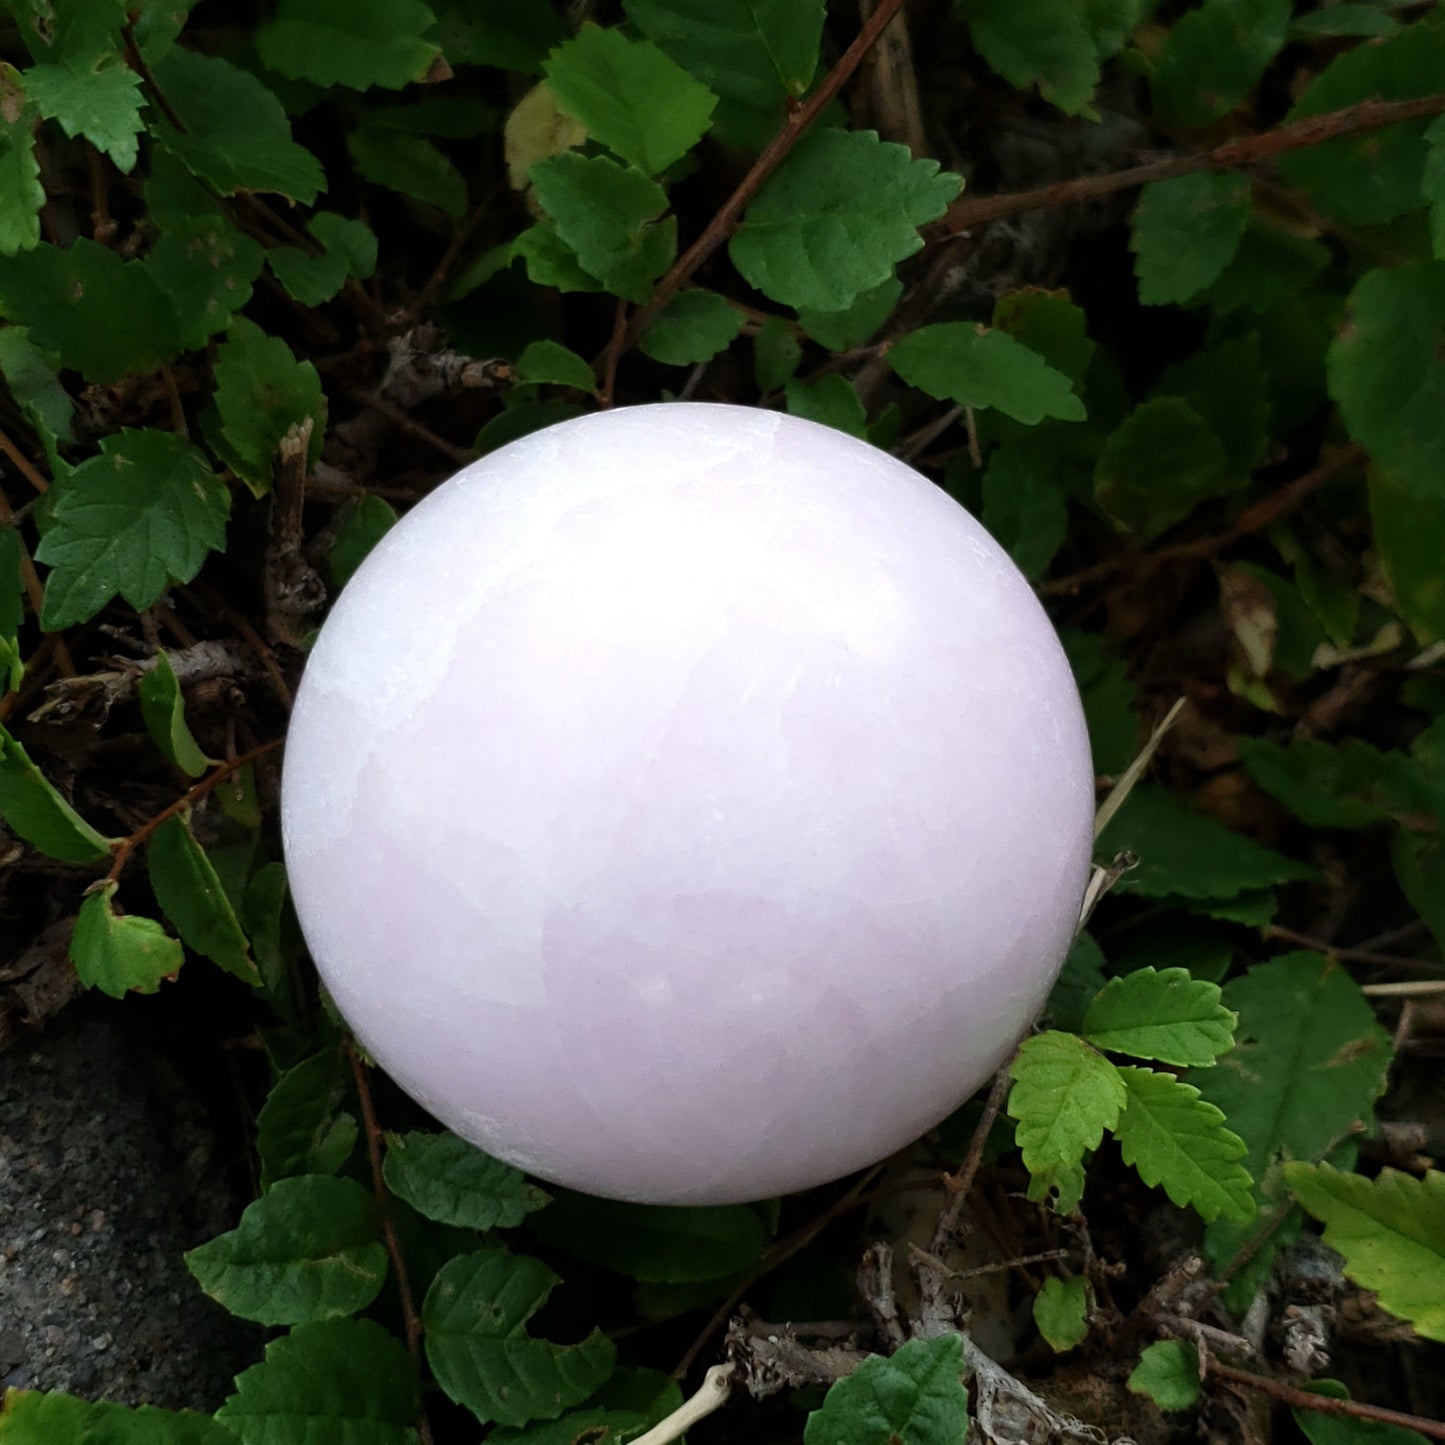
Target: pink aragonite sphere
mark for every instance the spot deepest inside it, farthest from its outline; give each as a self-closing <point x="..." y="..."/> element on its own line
<point x="688" y="804"/>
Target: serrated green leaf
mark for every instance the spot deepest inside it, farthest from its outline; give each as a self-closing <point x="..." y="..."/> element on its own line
<point x="1064" y="1097"/>
<point x="1045" y="43"/>
<point x="302" y="1127"/>
<point x="633" y="99"/>
<point x="163" y="710"/>
<point x="349" y="249"/>
<point x="980" y="366"/>
<point x="1322" y="1429"/>
<point x="1374" y="176"/>
<point x="830" y="401"/>
<point x="357" y="43"/>
<point x="347" y="1381"/>
<point x="309" y="1249"/>
<point x="1161" y="1014"/>
<point x="1178" y="1140"/>
<point x="262" y="392"/>
<point x="776" y="354"/>
<point x="203" y="269"/>
<point x="1322" y="785"/>
<point x="497" y="32"/>
<point x="1349" y="19"/>
<point x="1391" y="1232"/>
<point x="363" y="526"/>
<point x="35" y="811"/>
<point x="840" y="330"/>
<point x="21" y="193"/>
<point x="1269" y="265"/>
<point x="98" y="98"/>
<point x="1049" y="323"/>
<point x="118" y="953"/>
<point x="263" y="914"/>
<point x="1061" y="1312"/>
<point x="835" y="218"/>
<point x="1183" y="854"/>
<point x="1185" y="231"/>
<point x="521" y="420"/>
<point x="453" y="1182"/>
<point x="916" y="1396"/>
<point x="608" y="215"/>
<point x="476" y="1314"/>
<point x="142" y="514"/>
<point x="1387" y="372"/>
<point x="1226" y="384"/>
<point x="192" y="899"/>
<point x="30" y="1417"/>
<point x="31" y="377"/>
<point x="550" y="361"/>
<point x="630" y="1403"/>
<point x="1168" y="1373"/>
<point x="408" y="164"/>
<point x="1024" y="508"/>
<point x="1108" y="698"/>
<point x="692" y="328"/>
<point x="1214" y="56"/>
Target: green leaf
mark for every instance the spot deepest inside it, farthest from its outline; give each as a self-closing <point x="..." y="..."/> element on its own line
<point x="1108" y="698"/>
<point x="1164" y="1015"/>
<point x="1321" y="1429"/>
<point x="1052" y="325"/>
<point x="776" y="354"/>
<point x="476" y="1314"/>
<point x="366" y="522"/>
<point x="1064" y="1097"/>
<point x="840" y="330"/>
<point x="1185" y="232"/>
<point x="630" y="96"/>
<point x="349" y="249"/>
<point x="12" y="614"/>
<point x="203" y="270"/>
<point x="550" y="361"/>
<point x="302" y="1127"/>
<point x="1372" y="177"/>
<point x="141" y="515"/>
<point x="119" y="952"/>
<point x="980" y="366"/>
<point x="357" y="43"/>
<point x="497" y="32"/>
<point x="309" y="1249"/>
<point x="1346" y="20"/>
<point x="916" y="1396"/>
<point x="1178" y="1140"/>
<point x="453" y="1182"/>
<point x="829" y="401"/>
<point x="630" y="1403"/>
<point x="98" y="98"/>
<point x="1183" y="854"/>
<point x="35" y="811"/>
<point x="262" y="392"/>
<point x="1024" y="507"/>
<point x="692" y="328"/>
<point x="164" y="712"/>
<point x="408" y="164"/>
<point x="835" y="218"/>
<point x="347" y="1381"/>
<point x="1320" y="784"/>
<point x="1432" y="185"/>
<point x="1227" y="385"/>
<point x="236" y="133"/>
<point x="1391" y="1232"/>
<point x="1061" y="1312"/>
<point x="655" y="1243"/>
<point x="1044" y="43"/>
<point x="1168" y="1373"/>
<point x="1214" y="57"/>
<point x="21" y="193"/>
<point x="1270" y="265"/>
<point x="35" y="386"/>
<point x="1387" y="372"/>
<point x="608" y="215"/>
<point x="191" y="897"/>
<point x="29" y="1417"/>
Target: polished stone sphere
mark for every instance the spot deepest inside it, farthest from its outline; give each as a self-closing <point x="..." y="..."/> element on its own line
<point x="688" y="803"/>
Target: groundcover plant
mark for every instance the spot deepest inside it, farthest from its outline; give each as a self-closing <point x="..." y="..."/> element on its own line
<point x="1156" y="291"/>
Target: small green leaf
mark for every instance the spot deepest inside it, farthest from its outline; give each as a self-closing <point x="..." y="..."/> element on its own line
<point x="1214" y="56"/>
<point x="191" y="897"/>
<point x="117" y="953"/>
<point x="497" y="32"/>
<point x="916" y="1396"/>
<point x="35" y="811"/>
<point x="1317" y="1427"/>
<point x="840" y="330"/>
<point x="1108" y="698"/>
<point x="1406" y="529"/>
<point x="302" y="1127"/>
<point x="641" y="105"/>
<point x="550" y="361"/>
<point x="453" y="1182"/>
<point x="1164" y="1015"/>
<point x="357" y="43"/>
<point x="1185" y="232"/>
<point x="1044" y="43"/>
<point x="1178" y="1140"/>
<point x="203" y="270"/>
<point x="349" y="249"/>
<point x="476" y="1314"/>
<point x="98" y="98"/>
<point x="309" y="1249"/>
<point x="1024" y="507"/>
<point x="1391" y="1232"/>
<point x="366" y="522"/>
<point x="164" y="712"/>
<point x="776" y="354"/>
<point x="35" y="385"/>
<point x="21" y="193"/>
<point x="630" y="1403"/>
<point x="1227" y="385"/>
<point x="692" y="328"/>
<point x="829" y="401"/>
<point x="979" y="366"/>
<point x="1061" y="1312"/>
<point x="1168" y="1373"/>
<point x="30" y="1417"/>
<point x="1432" y="185"/>
<point x="835" y="218"/>
<point x="408" y="164"/>
<point x="1322" y="785"/>
<point x="1387" y="372"/>
<point x="343" y="1380"/>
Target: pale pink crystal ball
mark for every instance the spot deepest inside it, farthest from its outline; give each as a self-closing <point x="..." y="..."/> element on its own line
<point x="688" y="804"/>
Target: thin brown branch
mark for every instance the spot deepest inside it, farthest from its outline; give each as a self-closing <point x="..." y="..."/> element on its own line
<point x="613" y="355"/>
<point x="137" y="62"/>
<point x="774" y="153"/>
<point x="1348" y="955"/>
<point x="23" y="464"/>
<point x="1326" y="1404"/>
<point x="969" y="212"/>
<point x="389" y="409"/>
<point x="959" y="1183"/>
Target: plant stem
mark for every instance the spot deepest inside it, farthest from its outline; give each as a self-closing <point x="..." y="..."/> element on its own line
<point x="958" y="1184"/>
<point x="1326" y="1404"/>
